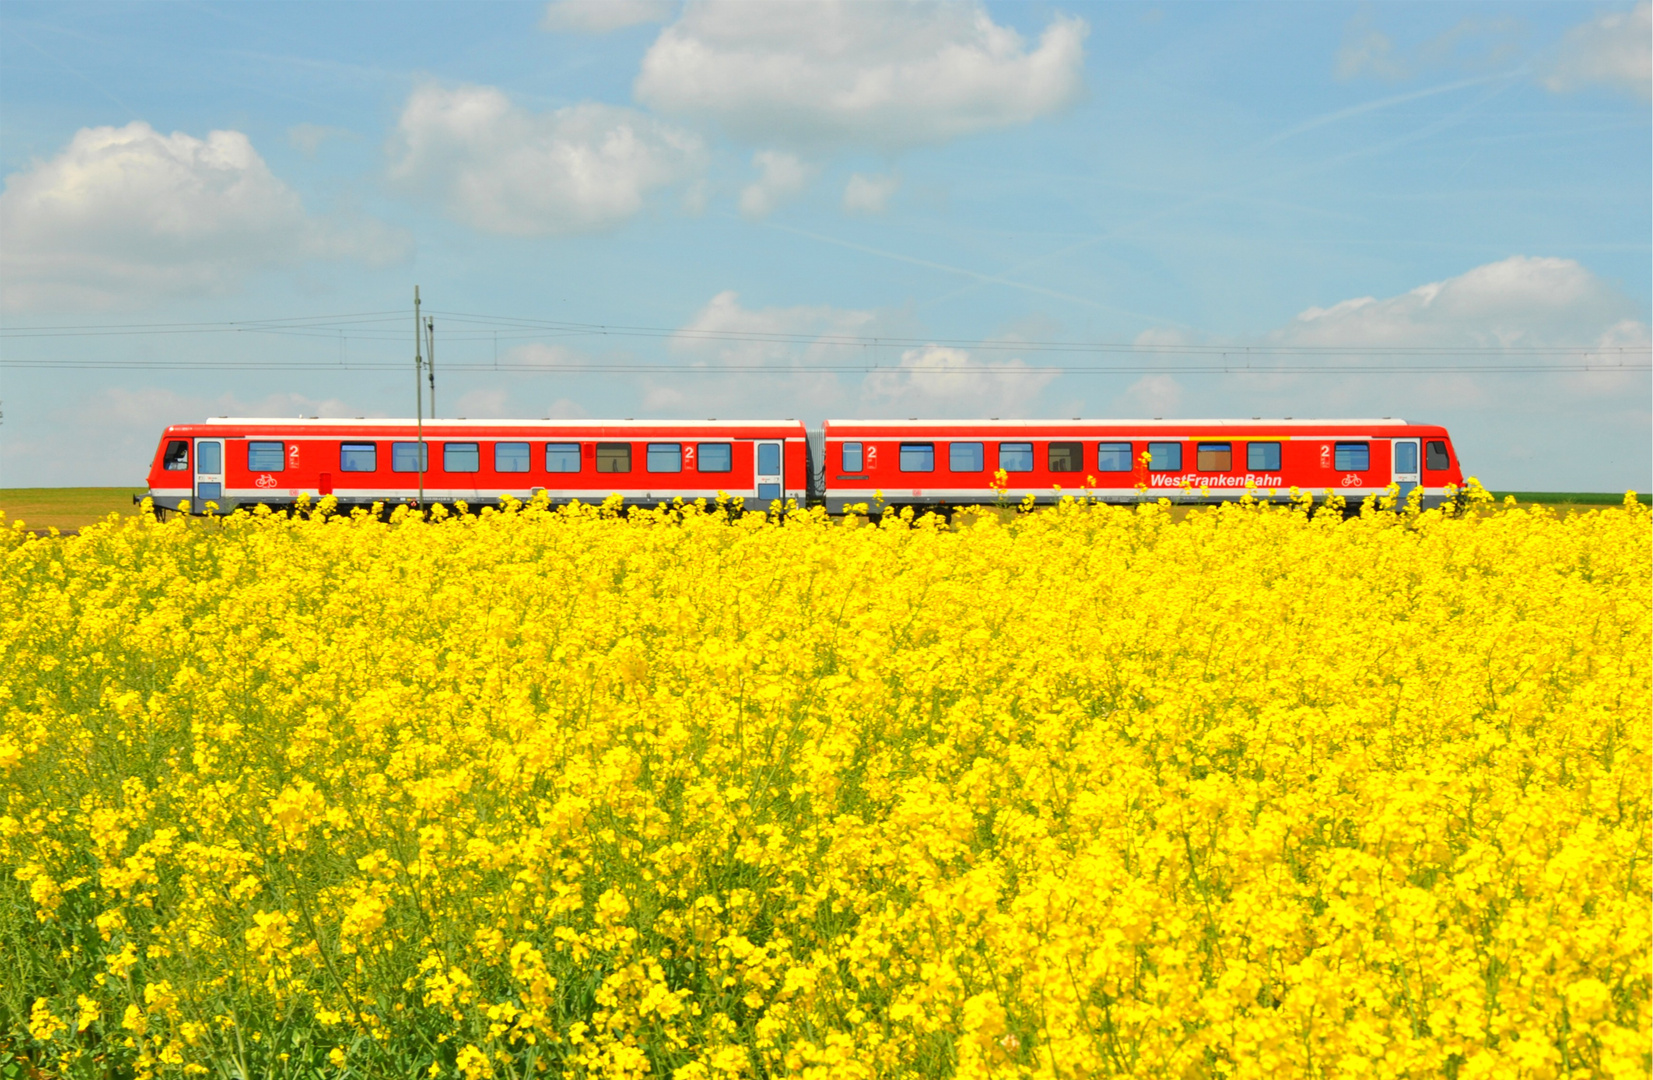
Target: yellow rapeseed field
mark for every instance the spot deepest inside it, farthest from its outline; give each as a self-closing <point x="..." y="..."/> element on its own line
<point x="690" y="794"/>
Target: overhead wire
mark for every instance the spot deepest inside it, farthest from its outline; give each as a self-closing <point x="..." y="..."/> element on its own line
<point x="1258" y="358"/>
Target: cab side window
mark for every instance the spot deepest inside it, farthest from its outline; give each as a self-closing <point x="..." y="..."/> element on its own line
<point x="562" y="457"/>
<point x="1113" y="457"/>
<point x="714" y="457"/>
<point x="1352" y="457"/>
<point x="1434" y="455"/>
<point x="1263" y="456"/>
<point x="265" y="456"/>
<point x="1065" y="456"/>
<point x="511" y="457"/>
<point x="358" y="457"/>
<point x="1016" y="456"/>
<point x="1214" y="457"/>
<point x="176" y="458"/>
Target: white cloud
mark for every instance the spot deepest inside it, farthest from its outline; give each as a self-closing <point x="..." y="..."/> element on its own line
<point x="775" y="340"/>
<point x="482" y="405"/>
<point x="937" y="380"/>
<point x="1613" y="50"/>
<point x="1151" y="395"/>
<point x="602" y="16"/>
<point x="727" y="332"/>
<point x="307" y="138"/>
<point x="504" y="169"/>
<point x="1551" y="429"/>
<point x="1519" y="301"/>
<point x="780" y="177"/>
<point x="1369" y="51"/>
<point x="869" y="194"/>
<point x="837" y="72"/>
<point x="123" y="215"/>
<point x="108" y="437"/>
<point x="1471" y="44"/>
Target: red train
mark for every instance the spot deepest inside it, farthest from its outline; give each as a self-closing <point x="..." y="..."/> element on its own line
<point x="243" y="462"/>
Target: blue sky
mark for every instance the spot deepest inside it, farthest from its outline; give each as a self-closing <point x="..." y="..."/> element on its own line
<point x="1435" y="211"/>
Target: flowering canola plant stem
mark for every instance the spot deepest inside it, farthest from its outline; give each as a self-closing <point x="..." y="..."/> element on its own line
<point x="690" y="793"/>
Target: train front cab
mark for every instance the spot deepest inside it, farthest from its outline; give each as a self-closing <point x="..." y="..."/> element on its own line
<point x="186" y="469"/>
<point x="229" y="466"/>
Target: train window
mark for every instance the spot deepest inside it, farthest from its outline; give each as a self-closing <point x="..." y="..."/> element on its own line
<point x="176" y="458"/>
<point x="1262" y="456"/>
<point x="461" y="457"/>
<point x="1214" y="457"/>
<point x="562" y="457"/>
<point x="409" y="457"/>
<point x="265" y="456"/>
<point x="1406" y="456"/>
<point x="1113" y="457"/>
<point x="918" y="457"/>
<point x="1066" y="456"/>
<point x="613" y="457"/>
<point x="1434" y="456"/>
<point x="1351" y="457"/>
<point x="965" y="457"/>
<point x="358" y="457"/>
<point x="1016" y="456"/>
<point x="665" y="457"/>
<point x="714" y="457"/>
<point x="510" y="457"/>
<point x="1164" y="456"/>
<point x="852" y="457"/>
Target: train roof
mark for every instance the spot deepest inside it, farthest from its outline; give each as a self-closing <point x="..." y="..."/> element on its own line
<point x="1255" y="421"/>
<point x="377" y="421"/>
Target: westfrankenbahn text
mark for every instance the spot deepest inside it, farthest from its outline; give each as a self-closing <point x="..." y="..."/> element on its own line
<point x="1262" y="480"/>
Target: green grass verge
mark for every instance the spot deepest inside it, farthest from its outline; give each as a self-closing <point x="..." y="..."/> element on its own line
<point x="1571" y="498"/>
<point x="65" y="509"/>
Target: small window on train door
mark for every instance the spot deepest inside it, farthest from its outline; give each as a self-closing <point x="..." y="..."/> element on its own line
<point x="461" y="457"/>
<point x="714" y="457"/>
<point x="563" y="457"/>
<point x="1164" y="456"/>
<point x="510" y="457"/>
<point x="410" y="457"/>
<point x="176" y="458"/>
<point x="918" y="457"/>
<point x="1066" y="456"/>
<point x="852" y="459"/>
<point x="613" y="457"/>
<point x="1262" y="456"/>
<point x="1352" y="457"/>
<point x="1113" y="457"/>
<point x="1434" y="456"/>
<point x="358" y="457"/>
<point x="266" y="456"/>
<point x="1214" y="457"/>
<point x="965" y="457"/>
<point x="665" y="457"/>
<point x="1016" y="456"/>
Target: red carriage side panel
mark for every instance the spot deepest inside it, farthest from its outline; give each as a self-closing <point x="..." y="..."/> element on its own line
<point x="959" y="462"/>
<point x="477" y="462"/>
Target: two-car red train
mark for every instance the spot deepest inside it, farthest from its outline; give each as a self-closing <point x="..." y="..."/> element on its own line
<point x="244" y="462"/>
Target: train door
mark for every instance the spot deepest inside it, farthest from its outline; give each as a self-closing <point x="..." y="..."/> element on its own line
<point x="769" y="481"/>
<point x="209" y="473"/>
<point x="1406" y="465"/>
